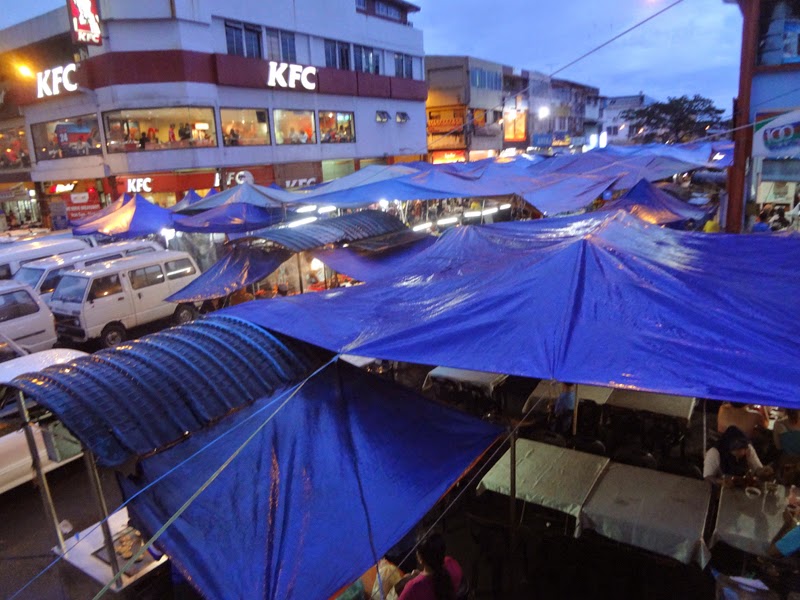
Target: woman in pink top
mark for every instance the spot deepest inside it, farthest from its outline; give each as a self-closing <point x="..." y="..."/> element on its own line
<point x="441" y="575"/>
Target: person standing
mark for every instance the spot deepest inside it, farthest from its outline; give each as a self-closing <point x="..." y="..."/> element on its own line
<point x="440" y="577"/>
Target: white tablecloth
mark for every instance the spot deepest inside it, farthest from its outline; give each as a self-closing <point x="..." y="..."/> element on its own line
<point x="553" y="477"/>
<point x="678" y="407"/>
<point x="749" y="524"/>
<point x="656" y="511"/>
<point x="486" y="382"/>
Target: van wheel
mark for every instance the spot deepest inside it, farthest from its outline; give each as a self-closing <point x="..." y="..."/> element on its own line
<point x="184" y="313"/>
<point x="113" y="335"/>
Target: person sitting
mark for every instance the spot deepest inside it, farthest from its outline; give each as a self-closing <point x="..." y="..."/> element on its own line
<point x="441" y="575"/>
<point x="747" y="419"/>
<point x="732" y="455"/>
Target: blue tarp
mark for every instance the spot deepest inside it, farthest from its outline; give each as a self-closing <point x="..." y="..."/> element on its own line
<point x="346" y="468"/>
<point x="187" y="201"/>
<point x="372" y="266"/>
<point x="238" y="217"/>
<point x="653" y="205"/>
<point x="248" y="193"/>
<point x="242" y="266"/>
<point x="134" y="218"/>
<point x="603" y="299"/>
<point x="114" y="206"/>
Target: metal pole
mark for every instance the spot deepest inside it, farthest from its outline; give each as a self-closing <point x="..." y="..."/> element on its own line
<point x="512" y="507"/>
<point x="300" y="272"/>
<point x="575" y="413"/>
<point x="97" y="490"/>
<point x="44" y="489"/>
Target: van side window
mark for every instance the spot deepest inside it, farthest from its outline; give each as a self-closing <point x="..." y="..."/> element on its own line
<point x="180" y="268"/>
<point x="53" y="277"/>
<point x="5" y="271"/>
<point x="17" y="304"/>
<point x="140" y="251"/>
<point x="94" y="261"/>
<point x="146" y="276"/>
<point x="105" y="286"/>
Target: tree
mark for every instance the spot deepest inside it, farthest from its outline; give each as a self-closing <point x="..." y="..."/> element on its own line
<point x="674" y="121"/>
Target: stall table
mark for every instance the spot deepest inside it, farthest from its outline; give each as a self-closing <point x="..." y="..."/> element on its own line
<point x="746" y="523"/>
<point x="675" y="407"/>
<point x="464" y="379"/>
<point x="655" y="511"/>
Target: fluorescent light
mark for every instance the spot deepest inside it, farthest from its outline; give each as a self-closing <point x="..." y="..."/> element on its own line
<point x="472" y="213"/>
<point x="489" y="211"/>
<point x="718" y="156"/>
<point x="544" y="112"/>
<point x="422" y="226"/>
<point x="299" y="222"/>
<point x="316" y="264"/>
<point x="201" y="126"/>
<point x="168" y="233"/>
<point x="447" y="221"/>
<point x="307" y="208"/>
<point x="505" y="206"/>
<point x="326" y="209"/>
<point x="384" y="203"/>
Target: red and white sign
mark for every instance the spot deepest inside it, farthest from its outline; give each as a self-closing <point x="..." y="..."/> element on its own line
<point x="84" y="22"/>
<point x="81" y="205"/>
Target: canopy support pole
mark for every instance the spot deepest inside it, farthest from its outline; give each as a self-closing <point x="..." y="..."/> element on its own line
<point x="705" y="428"/>
<point x="44" y="489"/>
<point x="300" y="272"/>
<point x="97" y="490"/>
<point x="512" y="506"/>
<point x="575" y="412"/>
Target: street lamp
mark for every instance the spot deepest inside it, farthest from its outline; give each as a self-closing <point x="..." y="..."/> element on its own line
<point x="544" y="112"/>
<point x="25" y="71"/>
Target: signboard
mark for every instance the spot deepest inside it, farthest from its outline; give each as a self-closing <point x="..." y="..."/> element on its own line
<point x="441" y="157"/>
<point x="51" y="82"/>
<point x="288" y="75"/>
<point x="81" y="205"/>
<point x="446" y="120"/>
<point x="561" y="138"/>
<point x="542" y="140"/>
<point x="84" y="22"/>
<point x="777" y="136"/>
<point x="260" y="175"/>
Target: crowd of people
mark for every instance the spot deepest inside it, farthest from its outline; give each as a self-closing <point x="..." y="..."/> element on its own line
<point x="772" y="218"/>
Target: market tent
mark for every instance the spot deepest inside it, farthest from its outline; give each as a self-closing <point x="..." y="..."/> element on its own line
<point x="114" y="206"/>
<point x="372" y="266"/>
<point x="326" y="486"/>
<point x="134" y="218"/>
<point x="240" y="267"/>
<point x="191" y="197"/>
<point x="247" y="193"/>
<point x="235" y="217"/>
<point x="654" y="205"/>
<point x="602" y="300"/>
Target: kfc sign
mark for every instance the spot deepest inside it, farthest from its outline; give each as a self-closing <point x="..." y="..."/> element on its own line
<point x="142" y="184"/>
<point x="84" y="22"/>
<point x="285" y="75"/>
<point x="50" y="82"/>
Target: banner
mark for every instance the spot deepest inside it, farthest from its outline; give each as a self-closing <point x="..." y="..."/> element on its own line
<point x="84" y="22"/>
<point x="777" y="135"/>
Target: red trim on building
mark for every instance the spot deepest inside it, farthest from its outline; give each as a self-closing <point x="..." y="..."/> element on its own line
<point x="239" y="71"/>
<point x="408" y="89"/>
<point x="153" y="66"/>
<point x="337" y="82"/>
<point x="374" y="86"/>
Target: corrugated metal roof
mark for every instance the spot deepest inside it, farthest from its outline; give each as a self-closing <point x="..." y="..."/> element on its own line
<point x="347" y="228"/>
<point x="152" y="392"/>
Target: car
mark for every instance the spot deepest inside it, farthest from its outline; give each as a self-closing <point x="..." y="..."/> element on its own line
<point x="25" y="318"/>
<point x="16" y="254"/>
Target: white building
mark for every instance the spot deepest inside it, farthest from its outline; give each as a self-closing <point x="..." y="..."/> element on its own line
<point x="615" y="127"/>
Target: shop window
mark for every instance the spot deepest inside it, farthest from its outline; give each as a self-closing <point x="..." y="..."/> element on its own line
<point x="146" y="276"/>
<point x="402" y="117"/>
<point x="337" y="55"/>
<point x="390" y="11"/>
<point x="294" y="127"/>
<point x="244" y="126"/>
<point x="281" y="46"/>
<point x="65" y="138"/>
<point x="366" y="60"/>
<point x="173" y="128"/>
<point x="180" y="268"/>
<point x="337" y="127"/>
<point x="403" y="66"/>
<point x="381" y="116"/>
<point x="14" y="149"/>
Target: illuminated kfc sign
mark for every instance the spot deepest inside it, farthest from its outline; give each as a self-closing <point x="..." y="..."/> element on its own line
<point x="287" y="75"/>
<point x="84" y="21"/>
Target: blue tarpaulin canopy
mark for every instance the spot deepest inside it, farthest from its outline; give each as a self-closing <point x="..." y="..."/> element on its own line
<point x="248" y="193"/>
<point x="114" y="206"/>
<point x="134" y="218"/>
<point x="237" y="217"/>
<point x="371" y="266"/>
<point x="602" y="299"/>
<point x="653" y="205"/>
<point x="187" y="201"/>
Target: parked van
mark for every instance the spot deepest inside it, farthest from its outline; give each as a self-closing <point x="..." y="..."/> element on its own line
<point x="13" y="256"/>
<point x="105" y="300"/>
<point x="44" y="274"/>
<point x="25" y="318"/>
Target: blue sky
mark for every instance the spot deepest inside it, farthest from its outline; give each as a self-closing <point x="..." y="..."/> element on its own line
<point x="692" y="48"/>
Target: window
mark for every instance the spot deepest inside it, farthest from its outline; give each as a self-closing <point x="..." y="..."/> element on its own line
<point x="5" y="271"/>
<point x="381" y="116"/>
<point x="102" y="259"/>
<point x="361" y="4"/>
<point x="50" y="282"/>
<point x="337" y="55"/>
<point x="103" y="287"/>
<point x="146" y="276"/>
<point x="294" y="127"/>
<point x="252" y="41"/>
<point x="366" y="60"/>
<point x="180" y="268"/>
<point x="336" y="127"/>
<point x="71" y="288"/>
<point x="489" y="80"/>
<point x="138" y="251"/>
<point x="243" y="40"/>
<point x="17" y="304"/>
<point x="402" y="117"/>
<point x="141" y="129"/>
<point x="29" y="275"/>
<point x="244" y="126"/>
<point x="613" y="130"/>
<point x="65" y="138"/>
<point x="234" y="38"/>
<point x="390" y="11"/>
<point x="280" y="46"/>
<point x="14" y="149"/>
<point x="403" y="67"/>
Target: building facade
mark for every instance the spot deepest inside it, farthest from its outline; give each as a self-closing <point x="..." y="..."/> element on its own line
<point x="613" y="124"/>
<point x="198" y="94"/>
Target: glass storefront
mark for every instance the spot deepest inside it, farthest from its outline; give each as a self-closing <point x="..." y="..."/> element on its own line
<point x="14" y="149"/>
<point x="294" y="126"/>
<point x="337" y="127"/>
<point x="244" y="126"/>
<point x="178" y="127"/>
<point x="65" y="138"/>
<point x="333" y="169"/>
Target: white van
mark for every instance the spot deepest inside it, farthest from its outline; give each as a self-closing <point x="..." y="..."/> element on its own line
<point x="105" y="300"/>
<point x="44" y="274"/>
<point x="13" y="256"/>
<point x="25" y="318"/>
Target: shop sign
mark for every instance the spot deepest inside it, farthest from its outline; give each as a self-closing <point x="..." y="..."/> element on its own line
<point x="140" y="184"/>
<point x="50" y="82"/>
<point x="84" y="22"/>
<point x="302" y="182"/>
<point x="256" y="174"/>
<point x="235" y="178"/>
<point x="62" y="188"/>
<point x="81" y="205"/>
<point x="288" y="75"/>
<point x="561" y="138"/>
<point x="778" y="135"/>
<point x="542" y="140"/>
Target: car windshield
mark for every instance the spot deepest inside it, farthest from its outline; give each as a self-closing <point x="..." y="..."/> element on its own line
<point x="51" y="281"/>
<point x="29" y="275"/>
<point x="71" y="288"/>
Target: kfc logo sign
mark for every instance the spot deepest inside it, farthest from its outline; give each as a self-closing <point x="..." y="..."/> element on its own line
<point x="285" y="75"/>
<point x="144" y="184"/>
<point x="302" y="182"/>
<point x="84" y="22"/>
<point x="50" y="82"/>
<point x="235" y="178"/>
